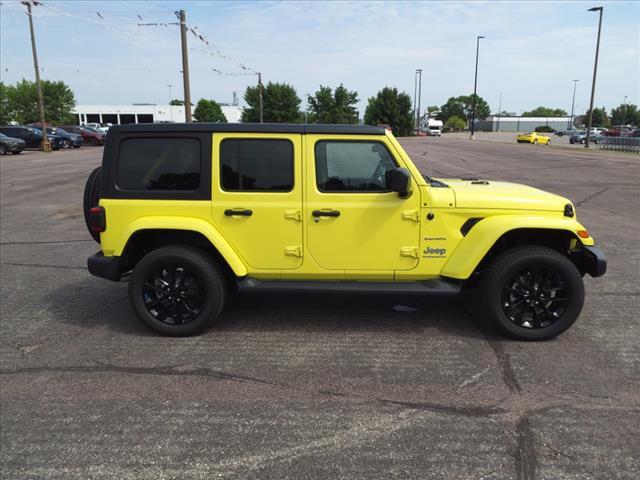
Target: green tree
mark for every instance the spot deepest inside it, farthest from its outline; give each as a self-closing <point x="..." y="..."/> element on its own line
<point x="545" y="112"/>
<point x="433" y="108"/>
<point x="462" y="107"/>
<point x="58" y="101"/>
<point x="338" y="106"/>
<point x="391" y="108"/>
<point x="455" y="123"/>
<point x="600" y="118"/>
<point x="625" y="114"/>
<point x="209" y="111"/>
<point x="176" y="103"/>
<point x="6" y="115"/>
<point x="281" y="104"/>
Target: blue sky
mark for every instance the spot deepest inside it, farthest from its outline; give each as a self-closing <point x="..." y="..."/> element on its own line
<point x="531" y="53"/>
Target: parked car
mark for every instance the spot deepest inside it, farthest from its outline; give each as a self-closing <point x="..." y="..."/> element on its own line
<point x="198" y="210"/>
<point x="68" y="140"/>
<point x="635" y="133"/>
<point x="581" y="137"/>
<point x="97" y="127"/>
<point x="619" y="131"/>
<point x="32" y="136"/>
<point x="567" y="131"/>
<point x="533" y="137"/>
<point x="11" y="145"/>
<point x="89" y="135"/>
<point x="599" y="130"/>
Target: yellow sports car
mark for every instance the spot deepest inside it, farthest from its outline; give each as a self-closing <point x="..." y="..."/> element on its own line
<point x="533" y="137"/>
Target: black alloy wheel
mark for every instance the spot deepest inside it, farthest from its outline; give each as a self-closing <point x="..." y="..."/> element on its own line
<point x="531" y="292"/>
<point x="173" y="295"/>
<point x="534" y="297"/>
<point x="177" y="290"/>
<point x="66" y="144"/>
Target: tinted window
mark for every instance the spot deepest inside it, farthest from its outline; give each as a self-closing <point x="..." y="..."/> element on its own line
<point x="352" y="166"/>
<point x="250" y="165"/>
<point x="159" y="164"/>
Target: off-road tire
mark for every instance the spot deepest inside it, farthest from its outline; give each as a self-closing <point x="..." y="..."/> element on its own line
<point x="211" y="282"/>
<point x="91" y="198"/>
<point x="503" y="268"/>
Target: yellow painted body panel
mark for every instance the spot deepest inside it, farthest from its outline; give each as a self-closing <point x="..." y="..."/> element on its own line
<point x="378" y="236"/>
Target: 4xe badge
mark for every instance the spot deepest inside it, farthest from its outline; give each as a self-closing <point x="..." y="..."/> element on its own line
<point x="435" y="252"/>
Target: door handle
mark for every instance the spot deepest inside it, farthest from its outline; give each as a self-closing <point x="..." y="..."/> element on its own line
<point x="238" y="212"/>
<point x="326" y="213"/>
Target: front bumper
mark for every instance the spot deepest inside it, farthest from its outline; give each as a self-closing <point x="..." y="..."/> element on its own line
<point x="591" y="260"/>
<point x="15" y="147"/>
<point x="104" y="267"/>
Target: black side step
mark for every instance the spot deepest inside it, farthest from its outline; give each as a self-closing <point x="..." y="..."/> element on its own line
<point x="425" y="287"/>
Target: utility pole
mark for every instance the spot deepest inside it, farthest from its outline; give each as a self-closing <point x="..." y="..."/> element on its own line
<point x="170" y="106"/>
<point x="185" y="66"/>
<point x="595" y="70"/>
<point x="573" y="102"/>
<point x="260" y="96"/>
<point x="415" y="98"/>
<point x="46" y="146"/>
<point x="499" y="112"/>
<point x="475" y="85"/>
<point x="419" y="94"/>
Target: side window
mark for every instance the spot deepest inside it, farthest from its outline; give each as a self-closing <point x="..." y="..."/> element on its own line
<point x="159" y="164"/>
<point x="253" y="165"/>
<point x="346" y="166"/>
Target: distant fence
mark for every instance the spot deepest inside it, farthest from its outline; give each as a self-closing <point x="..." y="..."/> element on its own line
<point x="620" y="144"/>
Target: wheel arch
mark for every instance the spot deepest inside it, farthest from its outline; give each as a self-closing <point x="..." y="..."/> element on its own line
<point x="144" y="239"/>
<point x="494" y="235"/>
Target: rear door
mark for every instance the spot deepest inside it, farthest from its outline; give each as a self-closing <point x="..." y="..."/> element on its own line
<point x="257" y="197"/>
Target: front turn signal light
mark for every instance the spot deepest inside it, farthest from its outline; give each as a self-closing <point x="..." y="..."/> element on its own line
<point x="583" y="233"/>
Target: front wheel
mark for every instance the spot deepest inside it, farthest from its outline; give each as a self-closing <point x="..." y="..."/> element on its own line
<point x="177" y="290"/>
<point x="535" y="142"/>
<point x="66" y="144"/>
<point x="3" y="150"/>
<point x="532" y="293"/>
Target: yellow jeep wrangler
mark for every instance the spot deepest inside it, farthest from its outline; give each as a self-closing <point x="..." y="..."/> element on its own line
<point x="195" y="211"/>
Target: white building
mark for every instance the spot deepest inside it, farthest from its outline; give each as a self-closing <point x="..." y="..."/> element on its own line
<point x="494" y="123"/>
<point x="142" y="113"/>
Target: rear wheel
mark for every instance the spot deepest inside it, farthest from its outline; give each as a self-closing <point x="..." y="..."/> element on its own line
<point x="92" y="142"/>
<point x="535" y="142"/>
<point x="3" y="150"/>
<point x="92" y="198"/>
<point x="177" y="290"/>
<point x="532" y="293"/>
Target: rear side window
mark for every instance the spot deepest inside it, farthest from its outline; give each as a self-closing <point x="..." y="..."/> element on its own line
<point x="159" y="164"/>
<point x="252" y="165"/>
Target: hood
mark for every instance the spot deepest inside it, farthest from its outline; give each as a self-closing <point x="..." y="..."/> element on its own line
<point x="481" y="194"/>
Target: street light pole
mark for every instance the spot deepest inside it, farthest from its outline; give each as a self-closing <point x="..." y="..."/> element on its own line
<point x="260" y="96"/>
<point x="499" y="112"/>
<point x="573" y="101"/>
<point x="475" y="86"/>
<point x="415" y="104"/>
<point x="595" y="70"/>
<point x="170" y="106"/>
<point x="419" y="94"/>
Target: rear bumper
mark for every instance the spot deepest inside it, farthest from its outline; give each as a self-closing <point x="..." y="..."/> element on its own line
<point x="104" y="267"/>
<point x="591" y="260"/>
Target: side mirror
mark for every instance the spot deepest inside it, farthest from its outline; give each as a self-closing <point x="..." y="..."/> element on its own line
<point x="398" y="180"/>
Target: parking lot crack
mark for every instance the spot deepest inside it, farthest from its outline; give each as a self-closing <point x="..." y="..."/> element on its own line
<point x="591" y="197"/>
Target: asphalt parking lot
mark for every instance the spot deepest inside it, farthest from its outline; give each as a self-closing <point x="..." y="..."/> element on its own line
<point x="315" y="386"/>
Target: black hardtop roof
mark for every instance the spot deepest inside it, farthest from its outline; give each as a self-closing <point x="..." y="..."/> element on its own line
<point x="249" y="128"/>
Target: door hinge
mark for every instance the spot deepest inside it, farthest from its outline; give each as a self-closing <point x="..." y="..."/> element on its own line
<point x="293" y="215"/>
<point x="409" y="252"/>
<point x="294" y="251"/>
<point x="411" y="215"/>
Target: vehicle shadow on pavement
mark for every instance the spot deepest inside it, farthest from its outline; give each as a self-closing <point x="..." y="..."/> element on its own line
<point x="89" y="304"/>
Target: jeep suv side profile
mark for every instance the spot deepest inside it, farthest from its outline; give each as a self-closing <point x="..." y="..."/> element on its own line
<point x="191" y="212"/>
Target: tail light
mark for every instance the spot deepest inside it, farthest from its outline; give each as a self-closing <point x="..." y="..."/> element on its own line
<point x="97" y="219"/>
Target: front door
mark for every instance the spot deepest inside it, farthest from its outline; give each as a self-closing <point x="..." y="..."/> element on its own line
<point x="257" y="197"/>
<point x="354" y="221"/>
